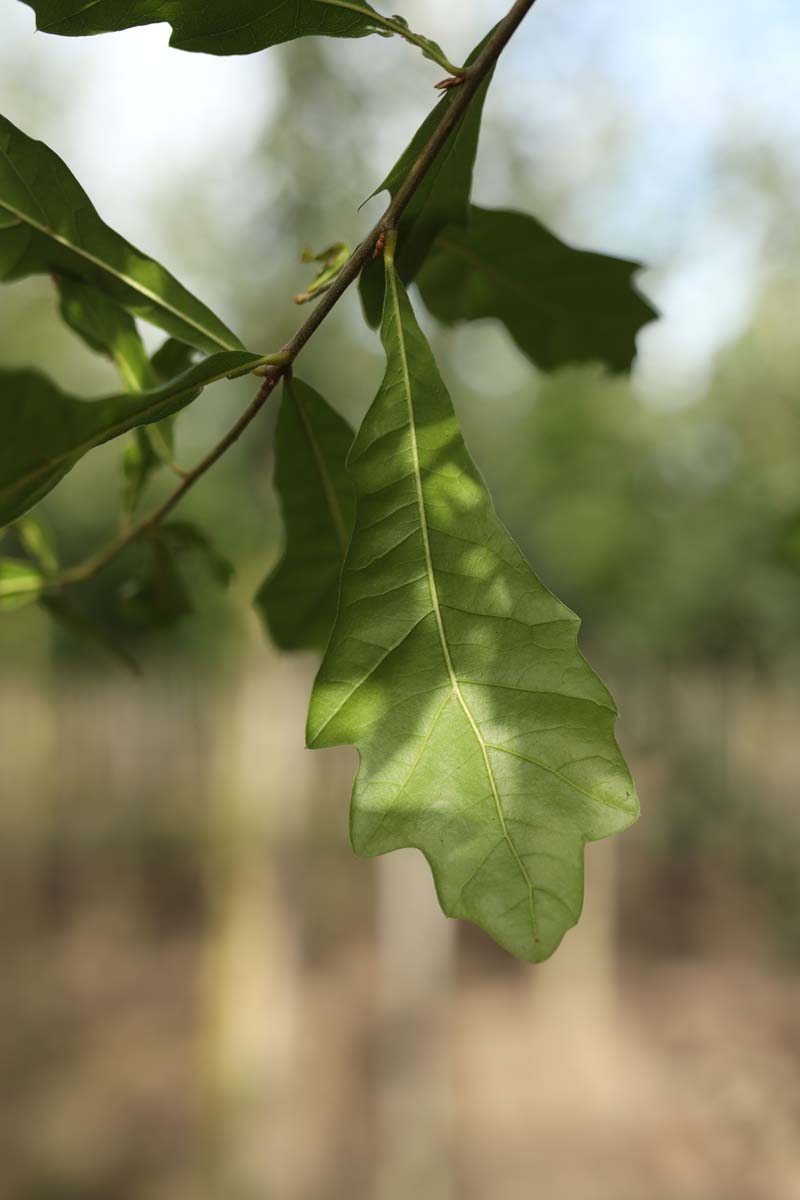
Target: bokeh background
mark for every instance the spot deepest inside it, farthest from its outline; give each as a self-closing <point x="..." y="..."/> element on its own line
<point x="204" y="994"/>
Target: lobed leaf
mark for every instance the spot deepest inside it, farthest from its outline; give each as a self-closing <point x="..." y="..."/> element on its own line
<point x="48" y="225"/>
<point x="213" y="27"/>
<point x="442" y="199"/>
<point x="298" y="599"/>
<point x="46" y="431"/>
<point x="560" y="305"/>
<point x="485" y="739"/>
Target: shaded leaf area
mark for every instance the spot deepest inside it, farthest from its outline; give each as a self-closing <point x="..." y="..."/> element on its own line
<point x="157" y="598"/>
<point x="787" y="542"/>
<point x="214" y="27"/>
<point x="442" y="199"/>
<point x="152" y="446"/>
<point x="106" y="328"/>
<point x="560" y="304"/>
<point x="485" y="739"/>
<point x="48" y="225"/>
<point x="46" y="431"/>
<point x="109" y="330"/>
<point x="148" y="449"/>
<point x="155" y="595"/>
<point x="149" y="594"/>
<point x="298" y="599"/>
<point x="184" y="537"/>
<point x="171" y="358"/>
<point x="87" y="629"/>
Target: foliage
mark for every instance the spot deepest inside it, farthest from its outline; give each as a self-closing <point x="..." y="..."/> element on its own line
<point x="486" y="740"/>
<point x="298" y="600"/>
<point x="560" y="305"/>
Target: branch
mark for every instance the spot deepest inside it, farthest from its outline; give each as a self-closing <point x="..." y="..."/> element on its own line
<point x="87" y="570"/>
<point x="473" y="77"/>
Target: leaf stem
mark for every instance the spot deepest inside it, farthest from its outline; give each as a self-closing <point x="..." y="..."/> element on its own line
<point x="274" y="366"/>
<point x="428" y="48"/>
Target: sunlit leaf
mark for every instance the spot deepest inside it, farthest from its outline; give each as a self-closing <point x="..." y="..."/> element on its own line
<point x="21" y="583"/>
<point x="48" y="225"/>
<point x="46" y="431"/>
<point x="485" y="739"/>
<point x="213" y="27"/>
<point x="298" y="599"/>
<point x="560" y="305"/>
<point x="442" y="199"/>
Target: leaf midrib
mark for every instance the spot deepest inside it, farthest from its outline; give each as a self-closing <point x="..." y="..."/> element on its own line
<point x="434" y="594"/>
<point x="159" y="302"/>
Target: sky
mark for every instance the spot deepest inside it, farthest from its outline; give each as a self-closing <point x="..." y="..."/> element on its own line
<point x="689" y="85"/>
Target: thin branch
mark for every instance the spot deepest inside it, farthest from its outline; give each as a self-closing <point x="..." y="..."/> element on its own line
<point x="473" y="78"/>
<point x="462" y="97"/>
<point x="89" y="568"/>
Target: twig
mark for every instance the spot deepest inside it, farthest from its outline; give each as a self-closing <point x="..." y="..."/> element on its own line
<point x="473" y="78"/>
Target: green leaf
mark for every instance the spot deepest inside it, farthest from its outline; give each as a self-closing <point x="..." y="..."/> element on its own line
<point x="430" y="49"/>
<point x="171" y="359"/>
<point x="159" y="599"/>
<point x="139" y="463"/>
<point x="46" y="431"/>
<point x="37" y="539"/>
<point x="156" y="596"/>
<point x="485" y="739"/>
<point x="48" y="225"/>
<point x="154" y="445"/>
<point x="184" y="536"/>
<point x="331" y="261"/>
<point x="108" y="329"/>
<point x="442" y="198"/>
<point x="298" y="599"/>
<point x="87" y="629"/>
<point x="20" y="583"/>
<point x="111" y="331"/>
<point x="560" y="305"/>
<point x="213" y="27"/>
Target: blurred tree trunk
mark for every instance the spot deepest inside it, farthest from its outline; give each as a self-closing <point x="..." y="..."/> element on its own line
<point x="575" y="998"/>
<point x="416" y="959"/>
<point x="250" y="992"/>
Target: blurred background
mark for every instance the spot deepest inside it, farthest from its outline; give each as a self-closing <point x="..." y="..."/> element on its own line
<point x="204" y="993"/>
